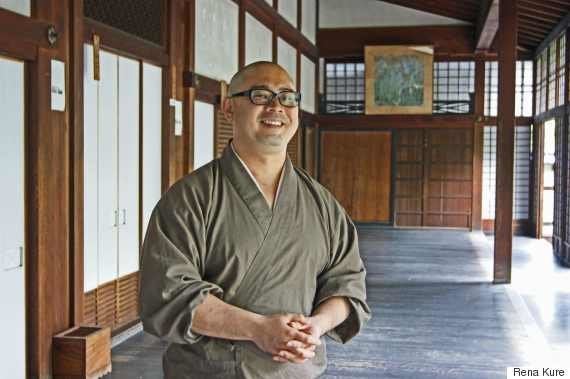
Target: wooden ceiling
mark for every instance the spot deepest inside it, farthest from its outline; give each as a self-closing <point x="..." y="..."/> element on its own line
<point x="536" y="17"/>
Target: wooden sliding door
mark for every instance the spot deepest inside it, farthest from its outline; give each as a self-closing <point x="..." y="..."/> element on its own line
<point x="433" y="179"/>
<point x="355" y="167"/>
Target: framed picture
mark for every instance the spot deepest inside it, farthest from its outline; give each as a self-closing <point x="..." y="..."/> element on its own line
<point x="399" y="79"/>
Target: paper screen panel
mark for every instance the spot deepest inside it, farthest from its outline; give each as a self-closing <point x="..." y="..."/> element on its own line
<point x="216" y="38"/>
<point x="257" y="41"/>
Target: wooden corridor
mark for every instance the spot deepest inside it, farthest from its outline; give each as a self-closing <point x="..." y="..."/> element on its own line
<point x="435" y="313"/>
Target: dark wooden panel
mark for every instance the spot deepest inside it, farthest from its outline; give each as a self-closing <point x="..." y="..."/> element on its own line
<point x="346" y="42"/>
<point x="344" y="122"/>
<point x="355" y="167"/>
<point x="408" y="192"/>
<point x="127" y="299"/>
<point x="433" y="180"/>
<point x="310" y="151"/>
<point x="107" y="304"/>
<point x="223" y="133"/>
<point x="90" y="308"/>
<point x="293" y="148"/>
<point x="449" y="160"/>
<point x="76" y="168"/>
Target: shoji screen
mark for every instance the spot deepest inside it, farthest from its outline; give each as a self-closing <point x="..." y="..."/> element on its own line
<point x="128" y="166"/>
<point x="521" y="178"/>
<point x="203" y="133"/>
<point x="12" y="227"/>
<point x="107" y="173"/>
<point x="90" y="154"/>
<point x="258" y="41"/>
<point x="307" y="84"/>
<point x="287" y="57"/>
<point x="216" y="38"/>
<point x="309" y="19"/>
<point x="19" y="6"/>
<point x="152" y="135"/>
<point x="288" y="9"/>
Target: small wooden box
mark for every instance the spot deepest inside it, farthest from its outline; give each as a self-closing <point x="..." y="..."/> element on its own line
<point x="82" y="352"/>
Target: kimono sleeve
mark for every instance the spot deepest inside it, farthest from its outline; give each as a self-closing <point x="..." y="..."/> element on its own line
<point x="344" y="275"/>
<point x="171" y="284"/>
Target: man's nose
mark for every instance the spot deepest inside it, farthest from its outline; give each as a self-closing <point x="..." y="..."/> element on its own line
<point x="275" y="105"/>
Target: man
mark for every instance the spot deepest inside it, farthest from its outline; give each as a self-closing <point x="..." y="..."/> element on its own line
<point x="247" y="262"/>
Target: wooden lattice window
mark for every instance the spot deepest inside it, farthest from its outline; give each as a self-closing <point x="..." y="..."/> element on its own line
<point x="453" y="87"/>
<point x="561" y="68"/>
<point x="543" y="80"/>
<point x="559" y="188"/>
<point x="491" y="88"/>
<point x="521" y="173"/>
<point x="552" y="60"/>
<point x="344" y="87"/>
<point x="523" y="92"/>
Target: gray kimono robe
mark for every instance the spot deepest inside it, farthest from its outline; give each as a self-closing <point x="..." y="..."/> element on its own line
<point x="213" y="232"/>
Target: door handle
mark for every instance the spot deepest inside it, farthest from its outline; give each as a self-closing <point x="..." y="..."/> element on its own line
<point x="124" y="217"/>
<point x="116" y="222"/>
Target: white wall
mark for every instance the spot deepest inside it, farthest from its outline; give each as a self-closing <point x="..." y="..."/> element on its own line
<point x="362" y="13"/>
<point x="308" y="81"/>
<point x="19" y="6"/>
<point x="258" y="41"/>
<point x="287" y="58"/>
<point x="216" y="38"/>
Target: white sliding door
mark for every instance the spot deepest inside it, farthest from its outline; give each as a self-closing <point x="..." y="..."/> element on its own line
<point x="152" y="137"/>
<point x="128" y="177"/>
<point x="90" y="154"/>
<point x="12" y="226"/>
<point x="203" y="133"/>
<point x="107" y="168"/>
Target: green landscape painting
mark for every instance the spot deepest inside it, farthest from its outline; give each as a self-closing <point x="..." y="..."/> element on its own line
<point x="399" y="81"/>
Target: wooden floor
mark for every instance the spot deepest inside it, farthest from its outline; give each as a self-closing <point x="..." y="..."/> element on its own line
<point x="435" y="312"/>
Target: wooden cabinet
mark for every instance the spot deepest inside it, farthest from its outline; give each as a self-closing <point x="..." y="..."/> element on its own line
<point x="116" y="125"/>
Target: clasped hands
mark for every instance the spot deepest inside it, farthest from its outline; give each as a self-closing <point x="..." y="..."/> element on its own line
<point x="289" y="337"/>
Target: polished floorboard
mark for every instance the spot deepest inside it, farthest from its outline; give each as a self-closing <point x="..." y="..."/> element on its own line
<point x="436" y="313"/>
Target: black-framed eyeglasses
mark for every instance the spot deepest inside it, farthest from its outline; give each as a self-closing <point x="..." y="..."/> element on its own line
<point x="264" y="96"/>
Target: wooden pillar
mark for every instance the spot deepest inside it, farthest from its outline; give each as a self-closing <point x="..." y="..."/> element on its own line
<point x="505" y="141"/>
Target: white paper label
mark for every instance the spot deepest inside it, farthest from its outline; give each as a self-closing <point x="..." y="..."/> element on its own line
<point x="57" y="85"/>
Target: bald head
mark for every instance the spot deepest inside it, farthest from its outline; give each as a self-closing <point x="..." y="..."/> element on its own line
<point x="248" y="73"/>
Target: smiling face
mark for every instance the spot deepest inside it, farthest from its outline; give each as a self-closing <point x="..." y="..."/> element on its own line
<point x="265" y="129"/>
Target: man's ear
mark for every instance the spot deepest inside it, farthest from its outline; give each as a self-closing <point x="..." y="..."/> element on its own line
<point x="228" y="109"/>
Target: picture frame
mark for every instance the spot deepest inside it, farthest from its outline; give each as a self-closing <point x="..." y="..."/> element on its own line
<point x="398" y="79"/>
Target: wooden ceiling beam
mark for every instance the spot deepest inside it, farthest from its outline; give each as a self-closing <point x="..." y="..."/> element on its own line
<point x="538" y="17"/>
<point x="536" y="9"/>
<point x="540" y="34"/>
<point x="487" y="25"/>
<point x="534" y="26"/>
<point x="529" y="37"/>
<point x="546" y="6"/>
<point x="559" y="3"/>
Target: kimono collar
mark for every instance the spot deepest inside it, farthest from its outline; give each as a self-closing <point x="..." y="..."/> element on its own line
<point x="247" y="188"/>
<point x="255" y="180"/>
